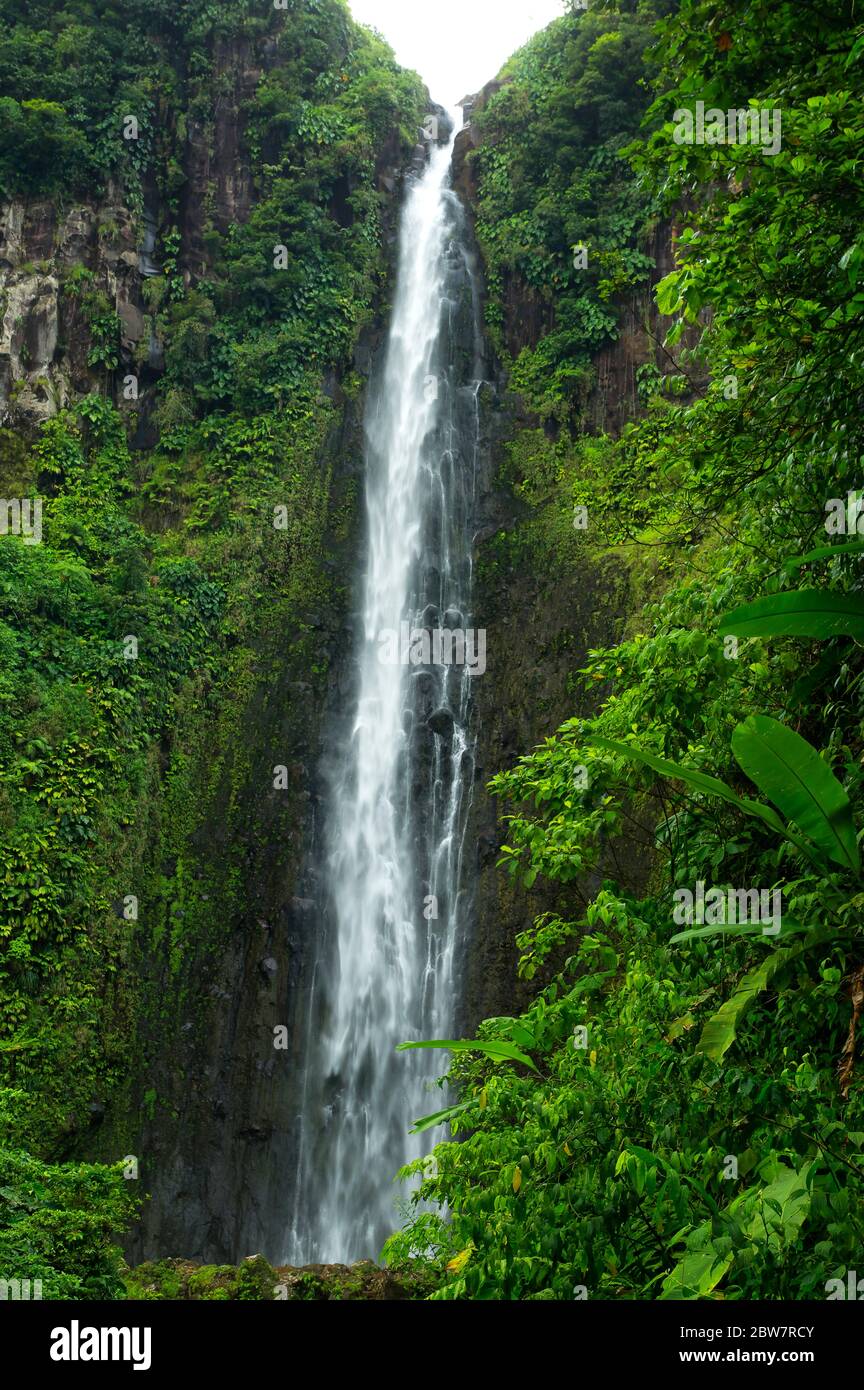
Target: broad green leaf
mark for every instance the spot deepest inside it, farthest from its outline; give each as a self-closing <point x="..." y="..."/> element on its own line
<point x="855" y="52"/>
<point x="696" y="1275"/>
<point x="498" y="1050"/>
<point x="720" y="1030"/>
<point x="787" y="928"/>
<point x="790" y="772"/>
<point x="772" y="1215"/>
<point x="668" y="293"/>
<point x="705" y="783"/>
<point x="824" y="552"/>
<point x="817" y="613"/>
<point x="788" y="1201"/>
<point x="441" y="1116"/>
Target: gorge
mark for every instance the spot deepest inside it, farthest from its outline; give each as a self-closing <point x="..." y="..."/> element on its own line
<point x="413" y="585"/>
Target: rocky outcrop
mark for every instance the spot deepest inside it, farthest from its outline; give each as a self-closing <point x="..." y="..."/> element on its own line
<point x="45" y="336"/>
<point x="45" y="339"/>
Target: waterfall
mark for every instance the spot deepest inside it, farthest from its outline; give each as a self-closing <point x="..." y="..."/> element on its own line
<point x="387" y="969"/>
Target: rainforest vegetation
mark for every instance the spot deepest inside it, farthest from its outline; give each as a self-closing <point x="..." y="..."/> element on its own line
<point x="107" y="759"/>
<point x="678" y="1114"/>
<point x="686" y="1118"/>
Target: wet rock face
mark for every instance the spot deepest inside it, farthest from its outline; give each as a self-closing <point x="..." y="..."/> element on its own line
<point x="44" y="339"/>
<point x="541" y="622"/>
<point x="219" y="186"/>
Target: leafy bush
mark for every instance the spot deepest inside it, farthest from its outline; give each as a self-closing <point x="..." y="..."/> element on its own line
<point x="59" y="1223"/>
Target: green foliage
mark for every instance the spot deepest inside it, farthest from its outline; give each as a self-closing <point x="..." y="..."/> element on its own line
<point x="113" y="752"/>
<point x="41" y="149"/>
<point x="552" y="180"/>
<point x="609" y="1174"/>
<point x="59" y="1224"/>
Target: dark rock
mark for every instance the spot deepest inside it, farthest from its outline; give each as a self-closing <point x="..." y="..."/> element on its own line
<point x="441" y="723"/>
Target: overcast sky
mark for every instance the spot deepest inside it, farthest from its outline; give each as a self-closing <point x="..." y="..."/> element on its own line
<point x="456" y="45"/>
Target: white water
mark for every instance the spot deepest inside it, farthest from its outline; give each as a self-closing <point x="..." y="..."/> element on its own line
<point x="397" y="813"/>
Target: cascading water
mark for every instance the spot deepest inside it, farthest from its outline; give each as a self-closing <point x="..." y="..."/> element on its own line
<point x="398" y="806"/>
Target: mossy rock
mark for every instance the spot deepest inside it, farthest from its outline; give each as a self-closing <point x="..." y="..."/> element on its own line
<point x="155" y="1281"/>
<point x="363" y="1282"/>
<point x="257" y="1281"/>
<point x="252" y="1281"/>
<point x="212" y="1282"/>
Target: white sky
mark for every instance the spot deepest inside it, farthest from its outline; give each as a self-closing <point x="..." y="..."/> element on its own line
<point x="456" y="45"/>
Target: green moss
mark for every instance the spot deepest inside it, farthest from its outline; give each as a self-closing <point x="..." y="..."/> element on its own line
<point x="154" y="1281"/>
<point x="257" y="1281"/>
<point x="212" y="1282"/>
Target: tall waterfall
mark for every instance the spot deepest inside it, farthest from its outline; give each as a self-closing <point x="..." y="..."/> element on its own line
<point x="398" y="806"/>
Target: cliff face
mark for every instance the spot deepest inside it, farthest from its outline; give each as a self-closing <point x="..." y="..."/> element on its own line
<point x="543" y="618"/>
<point x="219" y="968"/>
<point x="221" y="1084"/>
<point x="212" y="975"/>
<point x="44" y="338"/>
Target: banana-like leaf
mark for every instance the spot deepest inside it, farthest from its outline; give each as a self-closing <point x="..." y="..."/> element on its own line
<point x="712" y="785"/>
<point x="787" y="928"/>
<point x="441" y="1116"/>
<point x="720" y="1030"/>
<point x="790" y="772"/>
<point x="799" y="613"/>
<point x="823" y="552"/>
<point x="495" y="1048"/>
<point x="702" y="781"/>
